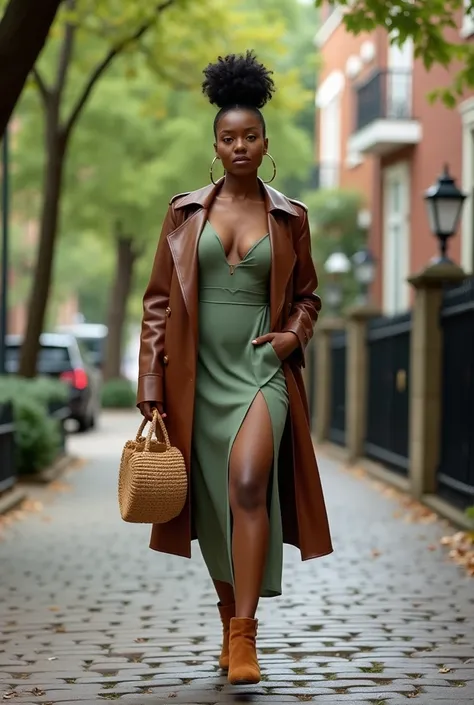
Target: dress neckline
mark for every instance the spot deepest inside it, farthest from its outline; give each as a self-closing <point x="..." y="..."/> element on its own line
<point x="247" y="254"/>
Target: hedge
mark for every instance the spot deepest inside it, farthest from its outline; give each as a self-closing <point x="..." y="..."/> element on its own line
<point x="37" y="435"/>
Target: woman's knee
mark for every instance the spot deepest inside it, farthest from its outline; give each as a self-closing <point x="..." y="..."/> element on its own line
<point x="247" y="495"/>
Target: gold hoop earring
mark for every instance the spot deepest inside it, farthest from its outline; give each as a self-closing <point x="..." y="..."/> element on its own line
<point x="274" y="168"/>
<point x="211" y="170"/>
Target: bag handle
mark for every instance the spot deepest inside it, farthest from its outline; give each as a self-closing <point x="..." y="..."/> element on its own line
<point x="141" y="429"/>
<point x="152" y="430"/>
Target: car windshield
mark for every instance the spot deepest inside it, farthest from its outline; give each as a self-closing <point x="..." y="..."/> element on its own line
<point x="52" y="359"/>
<point x="94" y="348"/>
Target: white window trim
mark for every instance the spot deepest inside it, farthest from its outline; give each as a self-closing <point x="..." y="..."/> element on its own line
<point x="401" y="171"/>
<point x="330" y="88"/>
<point x="466" y="109"/>
<point x="467" y="27"/>
<point x="328" y="27"/>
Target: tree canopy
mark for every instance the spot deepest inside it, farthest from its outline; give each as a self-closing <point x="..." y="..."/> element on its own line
<point x="433" y="25"/>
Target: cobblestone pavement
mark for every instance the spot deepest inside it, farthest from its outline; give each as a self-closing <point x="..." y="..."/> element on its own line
<point x="88" y="613"/>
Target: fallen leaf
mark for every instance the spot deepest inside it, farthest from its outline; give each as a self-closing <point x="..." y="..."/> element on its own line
<point x="11" y="694"/>
<point x="60" y="486"/>
<point x="38" y="692"/>
<point x="431" y="547"/>
<point x="375" y="553"/>
<point x="445" y="669"/>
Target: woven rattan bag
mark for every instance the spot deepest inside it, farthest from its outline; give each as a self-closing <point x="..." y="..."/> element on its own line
<point x="153" y="482"/>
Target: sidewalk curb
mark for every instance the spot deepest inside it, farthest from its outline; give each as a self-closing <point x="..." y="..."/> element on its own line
<point x="49" y="474"/>
<point x="11" y="499"/>
<point x="443" y="509"/>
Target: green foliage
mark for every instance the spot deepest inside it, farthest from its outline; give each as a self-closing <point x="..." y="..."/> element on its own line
<point x="146" y="133"/>
<point x="37" y="435"/>
<point x="333" y="216"/>
<point x="430" y="23"/>
<point x="470" y="514"/>
<point x="118" y="394"/>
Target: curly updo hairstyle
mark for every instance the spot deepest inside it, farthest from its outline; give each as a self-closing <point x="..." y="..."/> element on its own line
<point x="238" y="81"/>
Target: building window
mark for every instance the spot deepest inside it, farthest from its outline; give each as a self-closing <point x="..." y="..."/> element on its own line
<point x="396" y="240"/>
<point x="330" y="143"/>
<point x="328" y="100"/>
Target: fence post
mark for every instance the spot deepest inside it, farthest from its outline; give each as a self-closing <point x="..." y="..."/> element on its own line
<point x="322" y="376"/>
<point x="425" y="373"/>
<point x="356" y="376"/>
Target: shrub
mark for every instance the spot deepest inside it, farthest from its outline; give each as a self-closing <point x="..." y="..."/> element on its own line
<point x="37" y="435"/>
<point x="118" y="394"/>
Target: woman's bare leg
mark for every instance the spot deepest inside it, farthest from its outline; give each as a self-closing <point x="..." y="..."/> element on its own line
<point x="225" y="592"/>
<point x="250" y="467"/>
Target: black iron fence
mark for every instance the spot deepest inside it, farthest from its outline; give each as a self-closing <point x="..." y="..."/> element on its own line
<point x="388" y="342"/>
<point x="7" y="447"/>
<point x="385" y="95"/>
<point x="456" y="468"/>
<point x="337" y="426"/>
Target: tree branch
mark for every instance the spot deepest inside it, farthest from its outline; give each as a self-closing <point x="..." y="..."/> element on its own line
<point x="66" y="52"/>
<point x="24" y="28"/>
<point x="42" y="87"/>
<point x="105" y="63"/>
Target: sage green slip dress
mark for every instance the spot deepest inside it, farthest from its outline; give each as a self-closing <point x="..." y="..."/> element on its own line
<point x="234" y="309"/>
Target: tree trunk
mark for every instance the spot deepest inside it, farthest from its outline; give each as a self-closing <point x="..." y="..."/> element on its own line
<point x="56" y="151"/>
<point x="126" y="258"/>
<point x="23" y="32"/>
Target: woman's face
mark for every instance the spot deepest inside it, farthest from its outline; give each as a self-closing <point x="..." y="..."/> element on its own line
<point x="240" y="143"/>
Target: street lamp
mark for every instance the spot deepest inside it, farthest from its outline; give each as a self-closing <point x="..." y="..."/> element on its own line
<point x="335" y="267"/>
<point x="364" y="272"/>
<point x="444" y="202"/>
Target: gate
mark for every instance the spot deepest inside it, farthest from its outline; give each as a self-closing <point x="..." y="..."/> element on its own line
<point x="388" y="342"/>
<point x="337" y="426"/>
<point x="456" y="468"/>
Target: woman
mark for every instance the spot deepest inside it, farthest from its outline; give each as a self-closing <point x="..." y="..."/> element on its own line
<point x="228" y="313"/>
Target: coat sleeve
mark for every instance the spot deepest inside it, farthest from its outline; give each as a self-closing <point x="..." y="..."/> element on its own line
<point x="306" y="304"/>
<point x="155" y="303"/>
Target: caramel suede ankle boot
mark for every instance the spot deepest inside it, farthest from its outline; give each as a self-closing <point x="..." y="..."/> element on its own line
<point x="226" y="612"/>
<point x="243" y="663"/>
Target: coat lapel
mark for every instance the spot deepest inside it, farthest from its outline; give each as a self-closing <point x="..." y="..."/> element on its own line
<point x="183" y="243"/>
<point x="283" y="262"/>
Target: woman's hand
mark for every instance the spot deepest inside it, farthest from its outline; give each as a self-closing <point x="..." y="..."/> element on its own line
<point x="283" y="343"/>
<point x="146" y="409"/>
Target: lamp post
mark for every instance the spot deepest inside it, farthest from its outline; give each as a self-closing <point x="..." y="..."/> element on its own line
<point x="335" y="267"/>
<point x="364" y="272"/>
<point x="444" y="202"/>
<point x="4" y="266"/>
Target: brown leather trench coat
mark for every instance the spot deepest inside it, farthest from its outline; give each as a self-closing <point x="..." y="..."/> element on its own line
<point x="168" y="354"/>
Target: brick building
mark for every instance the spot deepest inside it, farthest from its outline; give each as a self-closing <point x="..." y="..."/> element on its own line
<point x="377" y="133"/>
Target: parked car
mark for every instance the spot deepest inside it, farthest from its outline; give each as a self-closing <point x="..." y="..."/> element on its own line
<point x="93" y="336"/>
<point x="64" y="357"/>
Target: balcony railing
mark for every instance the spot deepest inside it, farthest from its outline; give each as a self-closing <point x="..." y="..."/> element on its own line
<point x="386" y="95"/>
<point x="325" y="175"/>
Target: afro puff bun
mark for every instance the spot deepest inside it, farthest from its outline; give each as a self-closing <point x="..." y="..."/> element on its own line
<point x="238" y="80"/>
